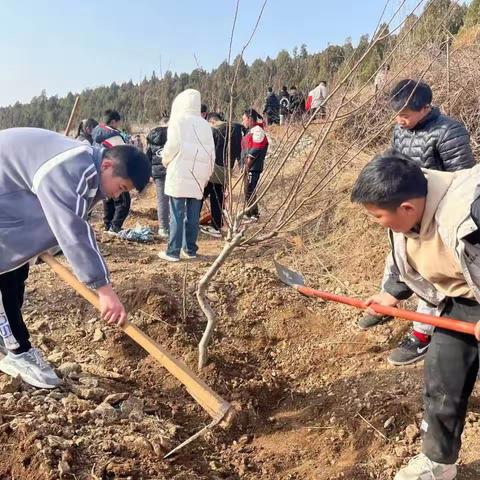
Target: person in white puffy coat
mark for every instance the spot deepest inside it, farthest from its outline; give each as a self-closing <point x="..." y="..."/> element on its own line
<point x="189" y="156"/>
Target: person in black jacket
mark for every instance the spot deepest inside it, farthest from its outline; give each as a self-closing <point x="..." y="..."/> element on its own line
<point x="224" y="148"/>
<point x="272" y="107"/>
<point x="237" y="131"/>
<point x="156" y="140"/>
<point x="424" y="134"/>
<point x="434" y="141"/>
<point x="297" y="104"/>
<point x="254" y="152"/>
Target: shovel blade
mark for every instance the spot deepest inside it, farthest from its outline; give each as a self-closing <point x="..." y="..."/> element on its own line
<point x="287" y="276"/>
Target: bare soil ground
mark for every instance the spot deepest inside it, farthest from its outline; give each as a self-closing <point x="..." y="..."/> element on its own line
<point x="317" y="398"/>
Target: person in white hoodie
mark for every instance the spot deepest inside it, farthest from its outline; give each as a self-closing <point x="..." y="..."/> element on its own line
<point x="189" y="156"/>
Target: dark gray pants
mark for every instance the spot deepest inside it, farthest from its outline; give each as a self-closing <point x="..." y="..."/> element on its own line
<point x="163" y="206"/>
<point x="115" y="211"/>
<point x="451" y="367"/>
<point x="250" y="192"/>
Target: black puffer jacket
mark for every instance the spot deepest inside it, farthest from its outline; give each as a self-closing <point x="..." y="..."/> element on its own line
<point x="156" y="140"/>
<point x="438" y="142"/>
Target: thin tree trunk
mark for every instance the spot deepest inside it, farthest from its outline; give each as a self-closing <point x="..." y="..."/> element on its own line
<point x="203" y="301"/>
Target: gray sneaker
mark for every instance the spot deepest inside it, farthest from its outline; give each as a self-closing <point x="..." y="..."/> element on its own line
<point x="410" y="350"/>
<point x="421" y="467"/>
<point x="3" y="348"/>
<point x="212" y="231"/>
<point x="369" y="321"/>
<point x="168" y="258"/>
<point x="31" y="367"/>
<point x="188" y="256"/>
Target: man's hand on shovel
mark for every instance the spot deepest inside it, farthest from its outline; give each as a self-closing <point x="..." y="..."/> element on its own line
<point x="382" y="298"/>
<point x="111" y="308"/>
<point x="477" y="331"/>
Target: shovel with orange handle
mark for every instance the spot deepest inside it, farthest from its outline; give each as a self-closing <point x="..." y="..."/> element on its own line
<point x="295" y="280"/>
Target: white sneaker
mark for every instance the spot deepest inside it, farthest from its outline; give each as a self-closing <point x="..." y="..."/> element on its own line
<point x="188" y="256"/>
<point x="421" y="467"/>
<point x="252" y="219"/>
<point x="163" y="233"/>
<point x="31" y="367"/>
<point x="209" y="230"/>
<point x="168" y="258"/>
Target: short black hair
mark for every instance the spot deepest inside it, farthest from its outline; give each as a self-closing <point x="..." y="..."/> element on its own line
<point x="388" y="180"/>
<point x="284" y="88"/>
<point x="203" y="108"/>
<point x="130" y="163"/>
<point x="110" y="116"/>
<point x="253" y="114"/>
<point x="214" y="116"/>
<point x="410" y="94"/>
<point x="269" y="89"/>
<point x="293" y="87"/>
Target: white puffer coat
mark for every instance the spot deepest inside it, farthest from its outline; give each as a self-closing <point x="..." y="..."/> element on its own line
<point x="189" y="153"/>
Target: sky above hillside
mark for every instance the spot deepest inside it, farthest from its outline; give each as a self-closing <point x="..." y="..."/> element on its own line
<point x="61" y="45"/>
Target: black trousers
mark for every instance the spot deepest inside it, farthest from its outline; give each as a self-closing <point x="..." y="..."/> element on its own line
<point x="322" y="112"/>
<point x="115" y="211"/>
<point x="12" y="288"/>
<point x="214" y="191"/>
<point x="451" y="367"/>
<point x="273" y="118"/>
<point x="250" y="194"/>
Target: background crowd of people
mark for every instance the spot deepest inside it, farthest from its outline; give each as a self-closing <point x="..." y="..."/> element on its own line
<point x="292" y="105"/>
<point x="191" y="153"/>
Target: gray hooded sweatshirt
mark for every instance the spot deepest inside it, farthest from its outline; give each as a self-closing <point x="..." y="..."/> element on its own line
<point x="48" y="183"/>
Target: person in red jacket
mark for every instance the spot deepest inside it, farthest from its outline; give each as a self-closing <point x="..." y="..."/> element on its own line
<point x="254" y="151"/>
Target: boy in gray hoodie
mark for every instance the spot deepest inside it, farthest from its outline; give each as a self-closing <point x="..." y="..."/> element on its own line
<point x="48" y="184"/>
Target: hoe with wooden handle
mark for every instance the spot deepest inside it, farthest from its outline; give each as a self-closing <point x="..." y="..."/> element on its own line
<point x="213" y="404"/>
<point x="295" y="280"/>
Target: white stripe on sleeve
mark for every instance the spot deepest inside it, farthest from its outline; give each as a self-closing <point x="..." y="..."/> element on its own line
<point x="57" y="160"/>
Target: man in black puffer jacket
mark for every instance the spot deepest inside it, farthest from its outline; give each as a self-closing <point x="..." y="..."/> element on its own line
<point x="424" y="134"/>
<point x="437" y="142"/>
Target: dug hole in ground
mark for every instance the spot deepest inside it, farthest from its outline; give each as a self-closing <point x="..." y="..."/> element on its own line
<point x="317" y="398"/>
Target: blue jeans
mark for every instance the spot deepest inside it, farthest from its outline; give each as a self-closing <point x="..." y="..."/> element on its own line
<point x="184" y="222"/>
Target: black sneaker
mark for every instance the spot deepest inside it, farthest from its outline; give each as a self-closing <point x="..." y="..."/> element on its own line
<point x="410" y="350"/>
<point x="368" y="321"/>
